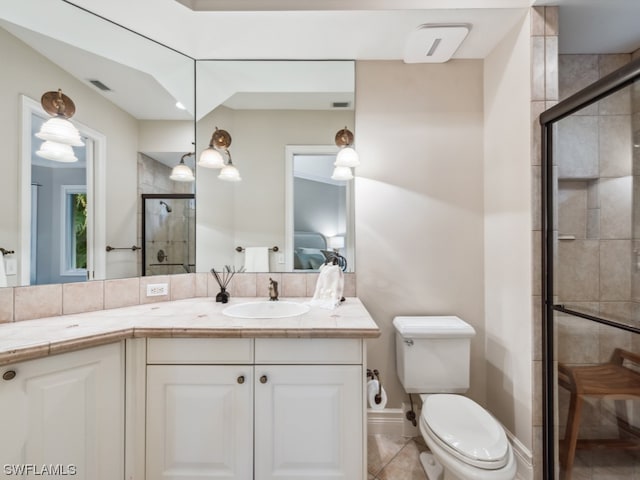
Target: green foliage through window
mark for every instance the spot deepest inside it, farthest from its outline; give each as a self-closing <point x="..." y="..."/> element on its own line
<point x="79" y="212"/>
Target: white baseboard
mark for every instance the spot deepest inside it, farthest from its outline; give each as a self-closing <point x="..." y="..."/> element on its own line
<point x="524" y="458"/>
<point x="388" y="421"/>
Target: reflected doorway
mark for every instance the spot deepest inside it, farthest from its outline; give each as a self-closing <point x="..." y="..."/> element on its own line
<point x="319" y="209"/>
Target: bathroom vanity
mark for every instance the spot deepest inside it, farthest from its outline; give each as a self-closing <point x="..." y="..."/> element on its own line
<point x="177" y="390"/>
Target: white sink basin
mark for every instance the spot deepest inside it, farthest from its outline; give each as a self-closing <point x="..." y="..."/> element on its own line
<point x="279" y="309"/>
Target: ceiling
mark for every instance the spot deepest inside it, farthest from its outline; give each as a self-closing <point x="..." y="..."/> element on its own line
<point x="273" y="29"/>
<point x="276" y="30"/>
<point x="358" y="29"/>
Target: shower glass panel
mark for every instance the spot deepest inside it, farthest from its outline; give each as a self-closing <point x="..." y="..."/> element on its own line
<point x="168" y="234"/>
<point x="592" y="288"/>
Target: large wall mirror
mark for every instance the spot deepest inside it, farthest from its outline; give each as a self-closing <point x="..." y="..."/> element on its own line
<point x="282" y="117"/>
<point x="134" y="101"/>
<point x="136" y="105"/>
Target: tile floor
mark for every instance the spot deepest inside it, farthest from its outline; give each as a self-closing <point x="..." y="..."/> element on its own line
<point x="395" y="457"/>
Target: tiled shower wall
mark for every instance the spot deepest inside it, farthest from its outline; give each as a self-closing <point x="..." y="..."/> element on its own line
<point x="595" y="193"/>
<point x="544" y="95"/>
<point x="153" y="177"/>
<point x="598" y="233"/>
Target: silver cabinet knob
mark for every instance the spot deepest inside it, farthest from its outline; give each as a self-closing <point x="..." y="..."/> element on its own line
<point x="9" y="375"/>
<point x="241" y="379"/>
<point x="263" y="379"/>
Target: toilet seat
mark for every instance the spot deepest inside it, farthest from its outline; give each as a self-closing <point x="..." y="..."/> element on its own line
<point x="465" y="430"/>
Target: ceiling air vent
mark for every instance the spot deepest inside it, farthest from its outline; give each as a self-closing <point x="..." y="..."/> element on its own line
<point x="100" y="85"/>
<point x="340" y="104"/>
<point x="433" y="43"/>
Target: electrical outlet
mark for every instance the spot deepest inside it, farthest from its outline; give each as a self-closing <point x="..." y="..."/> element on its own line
<point x="280" y="258"/>
<point x="157" y="289"/>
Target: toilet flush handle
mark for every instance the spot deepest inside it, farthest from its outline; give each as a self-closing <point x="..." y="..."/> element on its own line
<point x="409" y="342"/>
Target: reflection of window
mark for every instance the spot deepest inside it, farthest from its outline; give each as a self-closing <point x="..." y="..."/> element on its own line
<point x="74" y="230"/>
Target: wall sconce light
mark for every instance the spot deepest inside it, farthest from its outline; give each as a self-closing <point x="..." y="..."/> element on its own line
<point x="58" y="133"/>
<point x="212" y="157"/>
<point x="182" y="172"/>
<point x="347" y="158"/>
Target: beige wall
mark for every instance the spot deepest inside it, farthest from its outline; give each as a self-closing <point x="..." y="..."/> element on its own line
<point x="27" y="72"/>
<point x="419" y="202"/>
<point x="166" y="136"/>
<point x="507" y="233"/>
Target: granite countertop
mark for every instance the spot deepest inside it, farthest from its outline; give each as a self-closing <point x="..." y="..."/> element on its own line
<point x="194" y="317"/>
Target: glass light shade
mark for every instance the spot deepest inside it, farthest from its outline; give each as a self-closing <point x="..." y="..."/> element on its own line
<point x="335" y="242"/>
<point x="182" y="173"/>
<point x="58" y="152"/>
<point x="211" y="158"/>
<point x="59" y="129"/>
<point x="230" y="174"/>
<point x="342" y="173"/>
<point x="347" y="157"/>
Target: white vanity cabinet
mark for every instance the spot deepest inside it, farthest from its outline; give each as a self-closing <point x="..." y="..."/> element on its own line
<point x="199" y="414"/>
<point x="65" y="412"/>
<point x="255" y="409"/>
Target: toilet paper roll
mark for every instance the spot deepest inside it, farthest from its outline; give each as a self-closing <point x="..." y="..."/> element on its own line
<point x="372" y="391"/>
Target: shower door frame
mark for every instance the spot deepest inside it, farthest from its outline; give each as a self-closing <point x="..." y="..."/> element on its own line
<point x="143" y="227"/>
<point x="600" y="89"/>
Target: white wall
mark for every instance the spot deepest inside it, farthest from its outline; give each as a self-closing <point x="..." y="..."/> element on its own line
<point x="419" y="202"/>
<point x="27" y="72"/>
<point x="507" y="227"/>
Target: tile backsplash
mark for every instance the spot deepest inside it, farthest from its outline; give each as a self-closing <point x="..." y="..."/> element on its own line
<point x="39" y="301"/>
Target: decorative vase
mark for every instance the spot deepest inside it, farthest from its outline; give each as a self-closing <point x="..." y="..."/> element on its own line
<point x="223" y="295"/>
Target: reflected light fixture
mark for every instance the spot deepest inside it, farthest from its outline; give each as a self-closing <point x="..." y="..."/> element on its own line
<point x="335" y="243"/>
<point x="212" y="157"/>
<point x="342" y="173"/>
<point x="58" y="152"/>
<point x="182" y="172"/>
<point x="347" y="156"/>
<point x="58" y="129"/>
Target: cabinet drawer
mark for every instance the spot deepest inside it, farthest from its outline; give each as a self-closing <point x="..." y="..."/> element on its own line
<point x="308" y="350"/>
<point x="199" y="350"/>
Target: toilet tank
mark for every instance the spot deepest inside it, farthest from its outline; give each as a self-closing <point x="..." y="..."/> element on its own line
<point x="433" y="353"/>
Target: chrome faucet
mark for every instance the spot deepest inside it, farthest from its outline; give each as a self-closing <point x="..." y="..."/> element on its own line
<point x="273" y="289"/>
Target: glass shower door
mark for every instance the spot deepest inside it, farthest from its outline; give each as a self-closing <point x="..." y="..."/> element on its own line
<point x="168" y="234"/>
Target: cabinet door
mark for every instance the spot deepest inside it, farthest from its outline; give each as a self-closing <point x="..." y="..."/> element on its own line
<point x="199" y="422"/>
<point x="308" y="422"/>
<point x="66" y="412"/>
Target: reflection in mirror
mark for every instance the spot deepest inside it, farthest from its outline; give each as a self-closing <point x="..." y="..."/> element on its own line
<point x="266" y="106"/>
<point x="126" y="89"/>
<point x="320" y="220"/>
<point x="168" y="234"/>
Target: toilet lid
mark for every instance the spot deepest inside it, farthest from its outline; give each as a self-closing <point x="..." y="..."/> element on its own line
<point x="466" y="430"/>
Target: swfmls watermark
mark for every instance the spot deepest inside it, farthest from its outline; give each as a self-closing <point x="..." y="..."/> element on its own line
<point x="44" y="470"/>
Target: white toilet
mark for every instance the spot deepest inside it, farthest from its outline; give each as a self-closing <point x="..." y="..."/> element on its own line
<point x="466" y="442"/>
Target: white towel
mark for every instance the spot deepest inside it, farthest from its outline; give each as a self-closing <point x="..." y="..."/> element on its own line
<point x="3" y="272"/>
<point x="256" y="259"/>
<point x="329" y="287"/>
